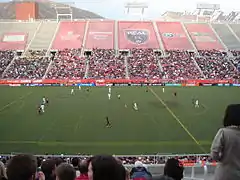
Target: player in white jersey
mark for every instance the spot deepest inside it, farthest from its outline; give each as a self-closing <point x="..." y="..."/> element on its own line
<point x="196" y="104"/>
<point x="109" y="96"/>
<point x="163" y="90"/>
<point x="44" y="100"/>
<point x="79" y="87"/>
<point x="42" y="108"/>
<point x="119" y="96"/>
<point x="72" y="91"/>
<point x="109" y="90"/>
<point x="135" y="107"/>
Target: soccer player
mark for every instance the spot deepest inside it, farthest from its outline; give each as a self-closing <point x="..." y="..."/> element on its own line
<point x="42" y="108"/>
<point x="39" y="110"/>
<point x="79" y="87"/>
<point x="72" y="91"/>
<point x="119" y="96"/>
<point x="47" y="101"/>
<point x="109" y="96"/>
<point x="87" y="89"/>
<point x="196" y="103"/>
<point x="108" y="124"/>
<point x="163" y="90"/>
<point x="44" y="100"/>
<point x="175" y="94"/>
<point x="135" y="107"/>
<point x="109" y="89"/>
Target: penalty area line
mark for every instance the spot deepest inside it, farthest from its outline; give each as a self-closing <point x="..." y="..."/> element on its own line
<point x="13" y="102"/>
<point x="178" y="120"/>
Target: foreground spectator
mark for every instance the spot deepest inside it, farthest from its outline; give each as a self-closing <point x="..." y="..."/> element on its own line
<point x="226" y="146"/>
<point x="3" y="175"/>
<point x="75" y="164"/>
<point x="140" y="172"/>
<point x="83" y="167"/>
<point x="22" y="167"/>
<point x="65" y="172"/>
<point x="48" y="168"/>
<point x="173" y="169"/>
<point x="105" y="168"/>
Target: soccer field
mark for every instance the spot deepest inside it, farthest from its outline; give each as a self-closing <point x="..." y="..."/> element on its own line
<point x="76" y="123"/>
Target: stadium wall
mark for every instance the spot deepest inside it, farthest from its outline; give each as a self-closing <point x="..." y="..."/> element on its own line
<point x="26" y="10"/>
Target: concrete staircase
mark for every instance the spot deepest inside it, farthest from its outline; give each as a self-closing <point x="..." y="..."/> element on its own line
<point x="52" y="39"/>
<point x="116" y="37"/>
<point x="84" y="38"/>
<point x="126" y="67"/>
<point x="158" y="37"/>
<point x="234" y="34"/>
<point x="189" y="37"/>
<point x="44" y="36"/>
<point x="219" y="39"/>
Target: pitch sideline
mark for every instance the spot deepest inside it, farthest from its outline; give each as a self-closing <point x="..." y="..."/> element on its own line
<point x="178" y="120"/>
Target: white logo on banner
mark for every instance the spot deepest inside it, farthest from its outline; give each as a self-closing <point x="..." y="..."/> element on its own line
<point x="13" y="38"/>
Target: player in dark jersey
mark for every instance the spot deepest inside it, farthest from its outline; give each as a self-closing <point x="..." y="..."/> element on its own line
<point x="39" y="110"/>
<point x="87" y="89"/>
<point x="175" y="94"/>
<point x="47" y="101"/>
<point x="108" y="124"/>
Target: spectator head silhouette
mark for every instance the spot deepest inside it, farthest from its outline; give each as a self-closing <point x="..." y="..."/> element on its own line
<point x="232" y="115"/>
<point x="173" y="169"/>
<point x="48" y="168"/>
<point x="22" y="167"/>
<point x="65" y="172"/>
<point x="104" y="167"/>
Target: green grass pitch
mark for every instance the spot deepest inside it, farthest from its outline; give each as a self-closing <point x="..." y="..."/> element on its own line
<point x="76" y="124"/>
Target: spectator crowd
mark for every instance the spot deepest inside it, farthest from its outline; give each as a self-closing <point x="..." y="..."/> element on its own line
<point x="143" y="64"/>
<point x="180" y="65"/>
<point x="105" y="64"/>
<point x="67" y="64"/>
<point x="5" y="58"/>
<point x="99" y="167"/>
<point x="215" y="65"/>
<point x="33" y="66"/>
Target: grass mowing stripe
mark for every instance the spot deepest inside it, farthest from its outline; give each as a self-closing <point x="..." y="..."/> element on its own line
<point x="106" y="143"/>
<point x="13" y="102"/>
<point x="178" y="120"/>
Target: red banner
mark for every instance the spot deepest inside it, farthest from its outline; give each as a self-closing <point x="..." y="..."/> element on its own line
<point x="110" y="81"/>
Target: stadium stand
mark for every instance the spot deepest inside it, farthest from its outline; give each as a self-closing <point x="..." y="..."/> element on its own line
<point x="30" y="67"/>
<point x="5" y="59"/>
<point x="180" y="65"/>
<point x="227" y="37"/>
<point x="215" y="65"/>
<point x="44" y="36"/>
<point x="143" y="64"/>
<point x="105" y="64"/>
<point x="67" y="64"/>
<point x="17" y="35"/>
